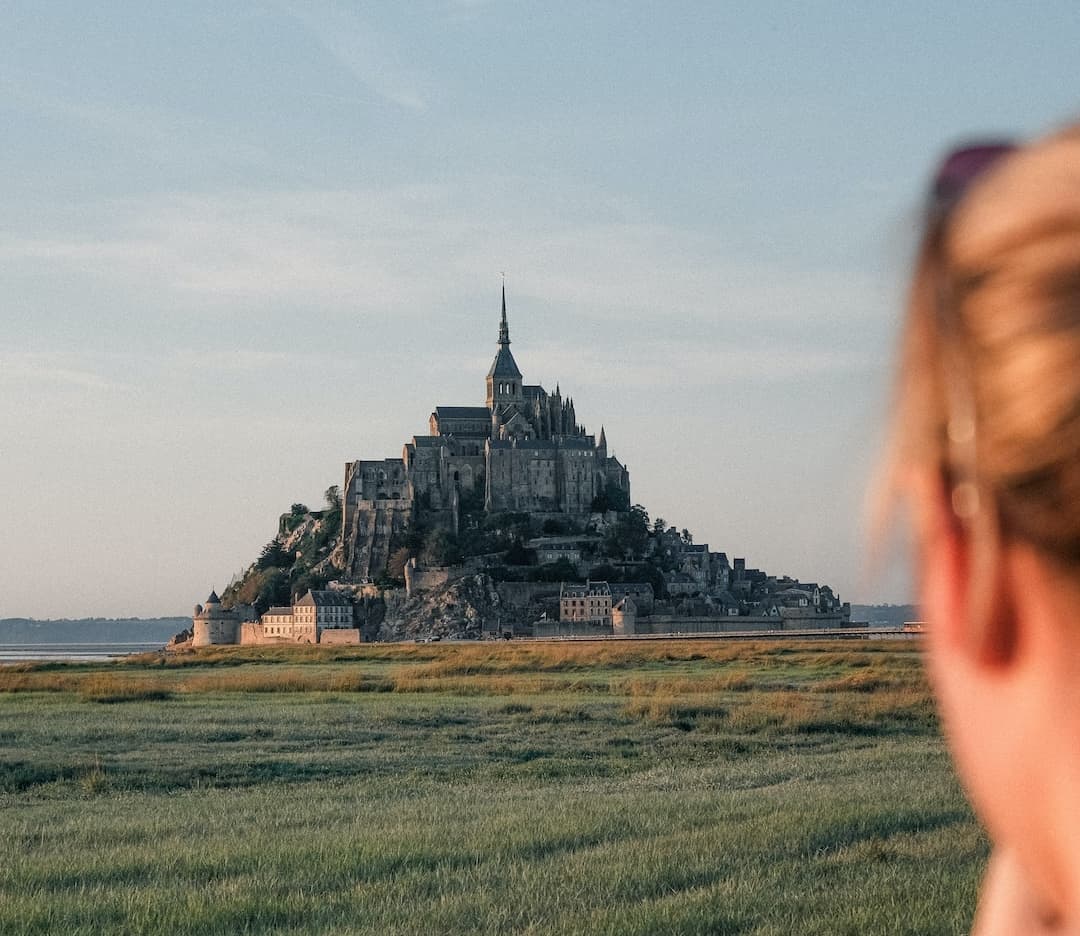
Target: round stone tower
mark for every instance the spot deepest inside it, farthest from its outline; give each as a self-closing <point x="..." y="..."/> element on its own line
<point x="212" y="625"/>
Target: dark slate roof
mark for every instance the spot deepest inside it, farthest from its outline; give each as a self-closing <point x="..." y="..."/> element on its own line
<point x="428" y="441"/>
<point x="324" y="599"/>
<point x="543" y="542"/>
<point x="213" y="599"/>
<point x="589" y="590"/>
<point x="533" y="390"/>
<point x="287" y="610"/>
<point x="504" y="365"/>
<point x="462" y="412"/>
<point x="548" y="445"/>
<point x="523" y="444"/>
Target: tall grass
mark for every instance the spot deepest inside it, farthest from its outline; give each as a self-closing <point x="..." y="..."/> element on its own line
<point x="673" y="787"/>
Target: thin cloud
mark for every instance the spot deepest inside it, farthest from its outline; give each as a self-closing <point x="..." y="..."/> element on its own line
<point x="21" y="370"/>
<point x="159" y="134"/>
<point x="368" y="55"/>
<point x="357" y="252"/>
<point x="698" y="365"/>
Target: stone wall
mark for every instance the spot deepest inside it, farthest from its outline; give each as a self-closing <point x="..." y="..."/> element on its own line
<point x="336" y="636"/>
<point x="214" y="632"/>
<point x="419" y="580"/>
<point x="519" y="595"/>
<point x="369" y="530"/>
<point x="571" y="629"/>
<point x="251" y="633"/>
<point x="670" y="624"/>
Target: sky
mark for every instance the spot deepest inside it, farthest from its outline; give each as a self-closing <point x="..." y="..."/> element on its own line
<point x="244" y="243"/>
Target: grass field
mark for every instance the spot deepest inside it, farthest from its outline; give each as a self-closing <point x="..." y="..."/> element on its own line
<point x="647" y="787"/>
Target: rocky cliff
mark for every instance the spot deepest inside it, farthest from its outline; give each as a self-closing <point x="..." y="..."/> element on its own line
<point x="461" y="610"/>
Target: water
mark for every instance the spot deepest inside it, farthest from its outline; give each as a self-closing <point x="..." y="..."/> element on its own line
<point x="71" y="652"/>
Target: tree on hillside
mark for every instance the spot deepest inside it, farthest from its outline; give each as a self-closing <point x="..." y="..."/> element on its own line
<point x="301" y="581"/>
<point x="274" y="556"/>
<point x="518" y="555"/>
<point x="273" y="591"/>
<point x="610" y="498"/>
<point x="333" y="497"/>
<point x="440" y="549"/>
<point x="395" y="565"/>
<point x="563" y="570"/>
<point x="630" y="536"/>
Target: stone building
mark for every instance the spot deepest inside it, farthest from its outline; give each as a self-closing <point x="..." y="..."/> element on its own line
<point x="211" y="624"/>
<point x="279" y="622"/>
<point x="320" y="616"/>
<point x="523" y="450"/>
<point x="322" y="610"/>
<point x="589" y="603"/>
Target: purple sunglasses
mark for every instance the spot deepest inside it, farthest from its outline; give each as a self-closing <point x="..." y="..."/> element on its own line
<point x="962" y="167"/>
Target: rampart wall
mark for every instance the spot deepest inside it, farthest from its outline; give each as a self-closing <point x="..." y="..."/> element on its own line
<point x="722" y="624"/>
<point x="214" y="633"/>
<point x="418" y="580"/>
<point x="338" y="636"/>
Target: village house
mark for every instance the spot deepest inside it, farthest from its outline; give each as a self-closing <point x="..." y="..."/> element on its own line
<point x="589" y="603"/>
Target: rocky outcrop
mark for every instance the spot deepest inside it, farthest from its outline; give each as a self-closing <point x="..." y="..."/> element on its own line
<point x="468" y="608"/>
<point x="180" y="641"/>
<point x="312" y="541"/>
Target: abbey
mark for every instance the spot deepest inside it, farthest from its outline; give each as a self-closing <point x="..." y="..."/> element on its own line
<point x="522" y="451"/>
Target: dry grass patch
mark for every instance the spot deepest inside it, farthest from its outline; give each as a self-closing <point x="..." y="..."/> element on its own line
<point x="735" y="681"/>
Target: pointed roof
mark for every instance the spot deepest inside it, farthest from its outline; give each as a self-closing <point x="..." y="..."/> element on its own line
<point x="603" y="437"/>
<point x="504" y="328"/>
<point x="213" y="599"/>
<point x="504" y="364"/>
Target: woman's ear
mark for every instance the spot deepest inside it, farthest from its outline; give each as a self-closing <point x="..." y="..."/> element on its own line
<point x="965" y="586"/>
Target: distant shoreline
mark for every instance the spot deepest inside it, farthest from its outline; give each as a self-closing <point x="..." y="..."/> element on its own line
<point x="26" y="633"/>
<point x="85" y="652"/>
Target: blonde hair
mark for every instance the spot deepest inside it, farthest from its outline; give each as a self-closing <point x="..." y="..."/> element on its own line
<point x="988" y="389"/>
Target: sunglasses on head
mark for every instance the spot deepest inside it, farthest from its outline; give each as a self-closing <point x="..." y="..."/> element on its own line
<point x="962" y="167"/>
<point x="958" y="170"/>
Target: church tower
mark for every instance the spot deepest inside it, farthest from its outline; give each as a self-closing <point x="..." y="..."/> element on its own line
<point x="504" y="380"/>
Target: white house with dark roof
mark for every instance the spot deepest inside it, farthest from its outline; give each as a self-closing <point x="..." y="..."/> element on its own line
<point x="589" y="603"/>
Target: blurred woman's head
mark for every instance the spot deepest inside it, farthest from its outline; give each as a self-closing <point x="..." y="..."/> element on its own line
<point x="987" y="447"/>
<point x="990" y="373"/>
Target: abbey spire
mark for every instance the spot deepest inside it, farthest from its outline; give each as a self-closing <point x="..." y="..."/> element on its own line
<point x="504" y="380"/>
<point x="504" y="328"/>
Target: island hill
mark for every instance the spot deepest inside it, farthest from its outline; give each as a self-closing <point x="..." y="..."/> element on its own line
<point x="506" y="519"/>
